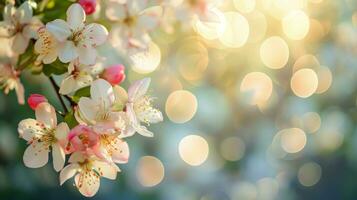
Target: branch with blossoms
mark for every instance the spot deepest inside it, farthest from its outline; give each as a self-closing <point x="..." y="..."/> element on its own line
<point x="98" y="114"/>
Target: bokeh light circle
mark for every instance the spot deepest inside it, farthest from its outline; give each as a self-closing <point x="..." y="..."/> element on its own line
<point x="274" y="52"/>
<point x="309" y="174"/>
<point x="304" y="83"/>
<point x="257" y="87"/>
<point x="232" y="148"/>
<point x="181" y="106"/>
<point x="236" y="31"/>
<point x="296" y="25"/>
<point x="325" y="77"/>
<point x="146" y="61"/>
<point x="311" y="122"/>
<point x="150" y="171"/>
<point x="193" y="149"/>
<point x="244" y="6"/>
<point x="293" y="140"/>
<point x="258" y="26"/>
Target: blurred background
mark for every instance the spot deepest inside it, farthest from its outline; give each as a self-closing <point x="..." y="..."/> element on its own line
<point x="263" y="109"/>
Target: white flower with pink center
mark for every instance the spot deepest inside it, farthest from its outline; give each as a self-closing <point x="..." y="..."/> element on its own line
<point x="9" y="80"/>
<point x="135" y="21"/>
<point x="99" y="110"/>
<point x="20" y="25"/>
<point x="43" y="135"/>
<point x="77" y="39"/>
<point x="139" y="108"/>
<point x="78" y="76"/>
<point x="87" y="171"/>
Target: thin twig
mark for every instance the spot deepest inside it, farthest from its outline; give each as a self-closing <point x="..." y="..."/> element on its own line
<point x="60" y="113"/>
<point x="55" y="86"/>
<point x="73" y="103"/>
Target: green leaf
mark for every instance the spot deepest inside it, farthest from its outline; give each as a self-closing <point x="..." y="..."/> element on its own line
<point x="70" y="119"/>
<point x="56" y="68"/>
<point x="83" y="92"/>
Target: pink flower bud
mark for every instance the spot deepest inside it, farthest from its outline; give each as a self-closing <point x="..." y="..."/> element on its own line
<point x="88" y="6"/>
<point x="82" y="138"/>
<point x="35" y="99"/>
<point x="114" y="74"/>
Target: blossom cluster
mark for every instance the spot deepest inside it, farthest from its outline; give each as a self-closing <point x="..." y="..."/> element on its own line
<point x="101" y="115"/>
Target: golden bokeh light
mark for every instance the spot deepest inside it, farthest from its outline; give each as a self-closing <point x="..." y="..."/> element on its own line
<point x="210" y="29"/>
<point x="258" y="26"/>
<point x="316" y="32"/>
<point x="181" y="106"/>
<point x="193" y="149"/>
<point x="296" y="25"/>
<point x="244" y="6"/>
<point x="236" y="31"/>
<point x="150" y="171"/>
<point x="268" y="188"/>
<point x="280" y="8"/>
<point x="192" y="57"/>
<point x="274" y="52"/>
<point x="329" y="140"/>
<point x="256" y="87"/>
<point x="304" y="83"/>
<point x="316" y="1"/>
<point x="309" y="174"/>
<point x="325" y="79"/>
<point x="293" y="140"/>
<point x="232" y="148"/>
<point x="147" y="61"/>
<point x="306" y="61"/>
<point x="311" y="122"/>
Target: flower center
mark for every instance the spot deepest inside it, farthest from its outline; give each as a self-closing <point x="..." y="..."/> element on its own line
<point x="76" y="37"/>
<point x="49" y="137"/>
<point x="130" y="21"/>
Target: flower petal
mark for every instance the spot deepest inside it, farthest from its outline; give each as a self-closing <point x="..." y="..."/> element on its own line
<point x="20" y="92"/>
<point x="76" y="157"/>
<point x="30" y="30"/>
<point x="36" y="155"/>
<point x="138" y="89"/>
<point x="62" y="131"/>
<point x="105" y="170"/>
<point x="60" y="29"/>
<point x="46" y="114"/>
<point x="68" y="85"/>
<point x="76" y="16"/>
<point x="150" y="17"/>
<point x="115" y="11"/>
<point x="29" y="128"/>
<point x="50" y="57"/>
<point x="142" y="130"/>
<point x="87" y="55"/>
<point x="68" y="172"/>
<point x="58" y="156"/>
<point x="7" y="29"/>
<point x="102" y="92"/>
<point x="88" y="109"/>
<point x="87" y="183"/>
<point x="95" y="34"/>
<point x="24" y="13"/>
<point x="121" y="96"/>
<point x="68" y="52"/>
<point x="150" y="115"/>
<point x="121" y="151"/>
<point x="9" y="11"/>
<point x="20" y="43"/>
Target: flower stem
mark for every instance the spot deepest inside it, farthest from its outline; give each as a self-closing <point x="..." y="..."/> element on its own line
<point x="55" y="86"/>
